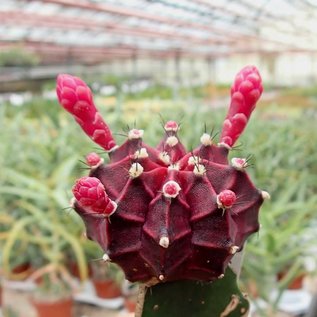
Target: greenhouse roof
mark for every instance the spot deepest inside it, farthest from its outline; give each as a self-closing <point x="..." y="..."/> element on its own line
<point x="94" y="30"/>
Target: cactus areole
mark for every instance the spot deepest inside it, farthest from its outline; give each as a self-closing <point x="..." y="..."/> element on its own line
<point x="163" y="213"/>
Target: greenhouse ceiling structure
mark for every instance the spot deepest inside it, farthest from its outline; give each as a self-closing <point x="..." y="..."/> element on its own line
<point x="93" y="31"/>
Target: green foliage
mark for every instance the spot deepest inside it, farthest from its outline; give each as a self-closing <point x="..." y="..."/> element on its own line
<point x="51" y="289"/>
<point x="310" y="91"/>
<point x="10" y="312"/>
<point x="18" y="57"/>
<point x="284" y="152"/>
<point x="153" y="92"/>
<point x="106" y="271"/>
<point x="285" y="239"/>
<point x="38" y="167"/>
<point x="285" y="164"/>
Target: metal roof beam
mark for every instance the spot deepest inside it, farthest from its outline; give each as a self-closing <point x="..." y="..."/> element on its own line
<point x="131" y="12"/>
<point x="30" y="19"/>
<point x="119" y="51"/>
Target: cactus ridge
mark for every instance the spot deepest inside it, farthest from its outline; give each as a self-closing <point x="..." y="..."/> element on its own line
<point x="164" y="213"/>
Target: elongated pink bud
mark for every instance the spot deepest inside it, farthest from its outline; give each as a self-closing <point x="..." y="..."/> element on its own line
<point x="245" y="92"/>
<point x="76" y="97"/>
<point x="91" y="195"/>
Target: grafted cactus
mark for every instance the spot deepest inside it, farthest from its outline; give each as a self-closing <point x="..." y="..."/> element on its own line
<point x="164" y="214"/>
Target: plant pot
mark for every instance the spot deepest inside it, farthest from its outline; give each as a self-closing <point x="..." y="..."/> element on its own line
<point x="297" y="283"/>
<point x="74" y="270"/>
<point x="21" y="272"/>
<point x="252" y="288"/>
<point x="130" y="304"/>
<point x="130" y="292"/>
<point x="21" y="268"/>
<point x="106" y="289"/>
<point x="61" y="308"/>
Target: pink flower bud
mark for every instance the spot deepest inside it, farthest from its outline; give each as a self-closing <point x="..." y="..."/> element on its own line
<point x="171" y="126"/>
<point x="90" y="194"/>
<point x="93" y="159"/>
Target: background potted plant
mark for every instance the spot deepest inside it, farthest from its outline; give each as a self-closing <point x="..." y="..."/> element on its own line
<point x="284" y="155"/>
<point x="53" y="294"/>
<point x="130" y="293"/>
<point x="33" y="200"/>
<point x="107" y="279"/>
<point x="34" y="191"/>
<point x="285" y="241"/>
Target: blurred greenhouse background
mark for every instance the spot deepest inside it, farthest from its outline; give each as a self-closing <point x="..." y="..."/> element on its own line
<point x="146" y="60"/>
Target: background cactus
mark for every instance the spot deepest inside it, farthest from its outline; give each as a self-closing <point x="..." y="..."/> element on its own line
<point x="165" y="214"/>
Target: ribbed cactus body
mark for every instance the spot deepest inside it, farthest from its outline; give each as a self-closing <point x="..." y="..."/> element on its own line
<point x="174" y="214"/>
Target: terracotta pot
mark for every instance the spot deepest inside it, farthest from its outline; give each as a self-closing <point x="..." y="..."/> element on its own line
<point x="38" y="280"/>
<point x="130" y="304"/>
<point x="252" y="288"/>
<point x="106" y="289"/>
<point x="61" y="308"/>
<point x="74" y="270"/>
<point x="297" y="283"/>
<point x="21" y="271"/>
<point x="21" y="268"/>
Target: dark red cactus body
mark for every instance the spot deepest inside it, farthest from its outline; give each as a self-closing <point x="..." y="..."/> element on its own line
<point x="178" y="215"/>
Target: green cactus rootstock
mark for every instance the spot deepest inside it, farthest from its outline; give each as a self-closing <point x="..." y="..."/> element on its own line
<point x="221" y="298"/>
<point x="165" y="214"/>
